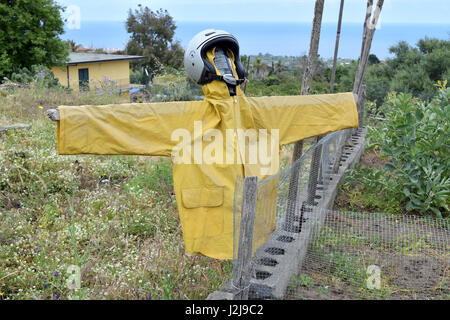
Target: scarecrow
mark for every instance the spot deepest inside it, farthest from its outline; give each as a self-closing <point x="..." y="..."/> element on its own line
<point x="210" y="142"/>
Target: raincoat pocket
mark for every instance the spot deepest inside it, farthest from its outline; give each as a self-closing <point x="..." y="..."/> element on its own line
<point x="202" y="197"/>
<point x="203" y="211"/>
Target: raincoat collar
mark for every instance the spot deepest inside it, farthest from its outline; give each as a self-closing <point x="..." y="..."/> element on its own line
<point x="218" y="90"/>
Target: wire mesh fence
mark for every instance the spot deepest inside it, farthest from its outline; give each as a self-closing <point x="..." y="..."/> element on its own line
<point x="375" y="256"/>
<point x="282" y="197"/>
<point x="299" y="248"/>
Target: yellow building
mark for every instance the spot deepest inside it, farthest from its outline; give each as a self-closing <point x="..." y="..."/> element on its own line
<point x="96" y="71"/>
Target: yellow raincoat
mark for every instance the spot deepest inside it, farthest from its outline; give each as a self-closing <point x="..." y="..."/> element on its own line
<point x="204" y="190"/>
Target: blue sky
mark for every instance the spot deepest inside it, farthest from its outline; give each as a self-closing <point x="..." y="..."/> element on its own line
<point x="394" y="11"/>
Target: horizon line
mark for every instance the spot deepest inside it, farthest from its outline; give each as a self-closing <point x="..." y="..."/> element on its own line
<point x="279" y="21"/>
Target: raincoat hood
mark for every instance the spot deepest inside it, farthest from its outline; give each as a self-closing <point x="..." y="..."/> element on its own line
<point x="216" y="89"/>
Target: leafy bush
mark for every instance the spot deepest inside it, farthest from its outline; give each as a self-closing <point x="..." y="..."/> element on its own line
<point x="38" y="74"/>
<point x="272" y="86"/>
<point x="172" y="85"/>
<point x="137" y="77"/>
<point x="416" y="138"/>
<point x="22" y="75"/>
<point x="368" y="190"/>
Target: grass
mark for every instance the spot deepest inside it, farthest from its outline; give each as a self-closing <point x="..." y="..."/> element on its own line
<point x="114" y="217"/>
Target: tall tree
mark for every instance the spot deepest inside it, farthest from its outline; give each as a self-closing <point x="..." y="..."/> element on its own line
<point x="152" y="36"/>
<point x="373" y="59"/>
<point x="415" y="70"/>
<point x="436" y="57"/>
<point x="29" y="35"/>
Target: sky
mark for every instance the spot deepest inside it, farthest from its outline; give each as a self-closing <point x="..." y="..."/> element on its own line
<point x="394" y="11"/>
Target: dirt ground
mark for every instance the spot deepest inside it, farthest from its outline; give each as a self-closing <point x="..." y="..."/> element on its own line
<point x="371" y="159"/>
<point x="412" y="253"/>
<point x="405" y="284"/>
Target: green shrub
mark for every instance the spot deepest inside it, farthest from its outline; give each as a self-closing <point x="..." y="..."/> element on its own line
<point x="416" y="137"/>
<point x="137" y="77"/>
<point x="39" y="74"/>
<point x="368" y="189"/>
<point x="173" y="86"/>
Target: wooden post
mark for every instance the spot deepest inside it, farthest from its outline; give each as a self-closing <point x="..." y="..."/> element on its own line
<point x="306" y="88"/>
<point x="242" y="268"/>
<point x="293" y="188"/>
<point x="314" y="174"/>
<point x="316" y="163"/>
<point x="362" y="105"/>
<point x="247" y="73"/>
<point x="336" y="47"/>
<point x="313" y="49"/>
<point x="369" y="31"/>
<point x="4" y="130"/>
<point x="367" y="18"/>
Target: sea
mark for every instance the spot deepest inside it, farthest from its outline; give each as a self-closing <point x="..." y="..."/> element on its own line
<point x="279" y="39"/>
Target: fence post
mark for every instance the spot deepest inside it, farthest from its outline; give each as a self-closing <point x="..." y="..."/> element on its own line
<point x="362" y="105"/>
<point x="336" y="47"/>
<point x="314" y="173"/>
<point x="242" y="268"/>
<point x="310" y="70"/>
<point x="368" y="33"/>
<point x="293" y="189"/>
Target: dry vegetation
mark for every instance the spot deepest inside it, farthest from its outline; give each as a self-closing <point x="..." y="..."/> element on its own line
<point x="115" y="217"/>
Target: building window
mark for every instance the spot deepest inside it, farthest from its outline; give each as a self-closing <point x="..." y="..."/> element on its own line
<point x="83" y="78"/>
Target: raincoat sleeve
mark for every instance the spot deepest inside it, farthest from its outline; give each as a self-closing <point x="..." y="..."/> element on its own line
<point x="132" y="129"/>
<point x="301" y="117"/>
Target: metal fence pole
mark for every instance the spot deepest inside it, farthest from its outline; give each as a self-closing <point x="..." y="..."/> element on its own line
<point x="242" y="268"/>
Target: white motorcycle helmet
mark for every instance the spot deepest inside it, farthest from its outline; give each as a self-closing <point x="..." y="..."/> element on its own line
<point x="198" y="68"/>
